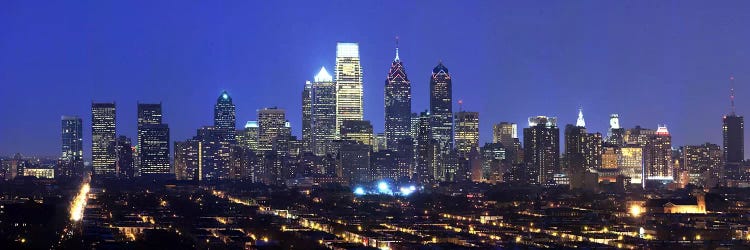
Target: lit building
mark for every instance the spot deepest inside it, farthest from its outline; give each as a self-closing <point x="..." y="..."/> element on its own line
<point x="542" y="148"/>
<point x="638" y="136"/>
<point x="248" y="136"/>
<point x="385" y="166"/>
<point x="153" y="149"/>
<point x="397" y="105"/>
<point x="271" y="122"/>
<point x="507" y="134"/>
<point x="733" y="133"/>
<point x="241" y="162"/>
<point x="657" y="156"/>
<point x="187" y="159"/>
<point x="45" y="173"/>
<point x="425" y="150"/>
<point x="630" y="163"/>
<point x="102" y="138"/>
<point x="703" y="163"/>
<point x="493" y="155"/>
<point x="354" y="162"/>
<point x="441" y="108"/>
<point x="349" y="104"/>
<point x="616" y="134"/>
<point x="225" y="117"/>
<point x="467" y="132"/>
<point x="379" y="140"/>
<point x="153" y="140"/>
<point x="583" y="151"/>
<point x="359" y="131"/>
<point x="307" y="117"/>
<point x="214" y="153"/>
<point x="125" y="154"/>
<point x="323" y="112"/>
<point x="609" y="157"/>
<point x="71" y="160"/>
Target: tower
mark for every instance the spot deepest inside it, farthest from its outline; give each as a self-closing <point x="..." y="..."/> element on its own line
<point x="307" y="117"/>
<point x="441" y="109"/>
<point x="397" y="105"/>
<point x="153" y="141"/>
<point x="103" y="120"/>
<point x="323" y="113"/>
<point x="542" y="148"/>
<point x="349" y="105"/>
<point x="733" y="133"/>
<point x="71" y="159"/>
<point x="225" y="117"/>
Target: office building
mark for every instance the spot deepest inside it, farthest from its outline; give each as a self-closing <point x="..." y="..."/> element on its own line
<point x="542" y="149"/>
<point x="657" y="156"/>
<point x="441" y="108"/>
<point x="248" y="136"/>
<point x="703" y="164"/>
<point x="103" y="120"/>
<point x="225" y="117"/>
<point x="467" y="132"/>
<point x="349" y="104"/>
<point x="359" y="131"/>
<point x="187" y="159"/>
<point x="71" y="160"/>
<point x="273" y="130"/>
<point x="323" y="112"/>
<point x="307" y="117"/>
<point x="397" y="105"/>
<point x="125" y="157"/>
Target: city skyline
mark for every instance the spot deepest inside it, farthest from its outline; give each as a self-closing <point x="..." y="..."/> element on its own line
<point x="692" y="118"/>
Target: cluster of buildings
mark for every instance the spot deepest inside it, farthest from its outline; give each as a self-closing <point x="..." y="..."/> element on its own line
<point x="438" y="144"/>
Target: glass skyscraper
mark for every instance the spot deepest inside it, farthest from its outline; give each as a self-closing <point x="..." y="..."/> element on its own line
<point x="225" y="117"/>
<point x="323" y="112"/>
<point x="103" y="138"/>
<point x="349" y="105"/>
<point x="71" y="159"/>
<point x="397" y="105"/>
<point x="441" y="108"/>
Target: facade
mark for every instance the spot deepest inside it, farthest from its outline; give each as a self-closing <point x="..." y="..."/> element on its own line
<point x="385" y="165"/>
<point x="542" y="148"/>
<point x="225" y="117"/>
<point x="187" y="159"/>
<point x="703" y="163"/>
<point x="359" y="131"/>
<point x="71" y="160"/>
<point x="248" y="136"/>
<point x="349" y="104"/>
<point x="272" y="129"/>
<point x="103" y="120"/>
<point x="214" y="153"/>
<point x="441" y="108"/>
<point x="125" y="157"/>
<point x="657" y="156"/>
<point x="638" y="136"/>
<point x="630" y="163"/>
<point x="307" y="117"/>
<point x="609" y="157"/>
<point x="506" y="133"/>
<point x="467" y="132"/>
<point x="616" y="134"/>
<point x="323" y="112"/>
<point x="733" y="133"/>
<point x="354" y="163"/>
<point x="425" y="169"/>
<point x="397" y="105"/>
<point x="153" y="149"/>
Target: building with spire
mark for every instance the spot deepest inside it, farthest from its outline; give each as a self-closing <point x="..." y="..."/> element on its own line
<point x="583" y="152"/>
<point x="349" y="102"/>
<point x="733" y="135"/>
<point x="322" y="113"/>
<point x="397" y="105"/>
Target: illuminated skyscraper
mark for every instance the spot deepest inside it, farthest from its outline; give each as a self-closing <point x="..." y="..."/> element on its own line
<point x="733" y="133"/>
<point x="323" y="112"/>
<point x="103" y="138"/>
<point x="703" y="164"/>
<point x="583" y="152"/>
<point x="248" y="137"/>
<point x="657" y="156"/>
<point x="153" y="140"/>
<point x="616" y="134"/>
<point x="272" y="128"/>
<point x="630" y="163"/>
<point x="441" y="108"/>
<point x="425" y="169"/>
<point x="307" y="117"/>
<point x="397" y="105"/>
<point x="506" y="134"/>
<point x="187" y="159"/>
<point x="125" y="154"/>
<point x="225" y="117"/>
<point x="349" y="105"/>
<point x="359" y="131"/>
<point x="71" y="160"/>
<point x="542" y="148"/>
<point x="467" y="132"/>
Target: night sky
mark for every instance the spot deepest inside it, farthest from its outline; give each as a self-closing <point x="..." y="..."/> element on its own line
<point x="652" y="62"/>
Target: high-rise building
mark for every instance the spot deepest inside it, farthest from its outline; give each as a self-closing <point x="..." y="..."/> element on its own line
<point x="103" y="138"/>
<point x="493" y="155"/>
<point x="71" y="160"/>
<point x="214" y="153"/>
<point x="583" y="152"/>
<point x="441" y="108"/>
<point x="638" y="136"/>
<point x="397" y="105"/>
<point x="323" y="112"/>
<point x="359" y="131"/>
<point x="616" y="134"/>
<point x="542" y="148"/>
<point x="349" y="104"/>
<point x="225" y="117"/>
<point x="630" y="163"/>
<point x="248" y="137"/>
<point x="657" y="156"/>
<point x="272" y="128"/>
<point x="507" y="134"/>
<point x="354" y="162"/>
<point x="467" y="132"/>
<point x="187" y="159"/>
<point x="153" y="140"/>
<point x="703" y="163"/>
<point x="425" y="169"/>
<point x="733" y="133"/>
<point x="385" y="165"/>
<point x="307" y="117"/>
<point x="125" y="154"/>
<point x="153" y="149"/>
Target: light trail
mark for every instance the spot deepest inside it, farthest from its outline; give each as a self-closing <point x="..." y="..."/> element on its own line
<point x="79" y="203"/>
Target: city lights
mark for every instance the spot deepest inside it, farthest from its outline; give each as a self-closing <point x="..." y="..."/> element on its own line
<point x="79" y="203"/>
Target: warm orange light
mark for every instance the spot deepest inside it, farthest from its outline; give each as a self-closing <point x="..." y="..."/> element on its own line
<point x="636" y="210"/>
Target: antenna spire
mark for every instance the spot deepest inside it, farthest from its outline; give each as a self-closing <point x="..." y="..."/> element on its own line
<point x="731" y="92"/>
<point x="397" y="59"/>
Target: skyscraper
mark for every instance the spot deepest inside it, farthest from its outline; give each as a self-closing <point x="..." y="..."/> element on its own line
<point x="467" y="132"/>
<point x="271" y="123"/>
<point x="441" y="108"/>
<point x="323" y="121"/>
<point x="425" y="169"/>
<point x="153" y="140"/>
<point x="124" y="151"/>
<point x="733" y="133"/>
<point x="103" y="138"/>
<point x="616" y="134"/>
<point x="657" y="156"/>
<point x="583" y="150"/>
<point x="630" y="163"/>
<point x="187" y="159"/>
<point x="248" y="137"/>
<point x="225" y="117"/>
<point x="703" y="164"/>
<point x="397" y="105"/>
<point x="542" y="148"/>
<point x="359" y="131"/>
<point x="71" y="159"/>
<point x="507" y="134"/>
<point x="307" y="117"/>
<point x="349" y="105"/>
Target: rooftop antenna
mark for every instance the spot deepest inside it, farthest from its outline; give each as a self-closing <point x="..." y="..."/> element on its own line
<point x="731" y="92"/>
<point x="397" y="59"/>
